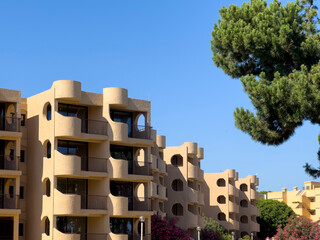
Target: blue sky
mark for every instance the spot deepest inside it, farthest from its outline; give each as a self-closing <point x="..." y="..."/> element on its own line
<point x="159" y="51"/>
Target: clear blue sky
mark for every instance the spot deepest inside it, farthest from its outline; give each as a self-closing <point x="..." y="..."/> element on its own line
<point x="159" y="51"/>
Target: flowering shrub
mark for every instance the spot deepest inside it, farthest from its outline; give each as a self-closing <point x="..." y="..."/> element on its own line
<point x="163" y="229"/>
<point x="299" y="228"/>
<point x="213" y="231"/>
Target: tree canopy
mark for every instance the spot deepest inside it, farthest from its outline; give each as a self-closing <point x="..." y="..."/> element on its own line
<point x="272" y="215"/>
<point x="275" y="51"/>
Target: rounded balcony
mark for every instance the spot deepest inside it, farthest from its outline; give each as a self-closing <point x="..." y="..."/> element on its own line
<point x="67" y="165"/>
<point x="233" y="207"/>
<point x="234" y="224"/>
<point x="69" y="127"/>
<point x="253" y="194"/>
<point x="192" y="148"/>
<point x="154" y="190"/>
<point x="155" y="162"/>
<point x="161" y="141"/>
<point x="191" y="220"/>
<point x="192" y="195"/>
<point x="201" y="198"/>
<point x="119" y="205"/>
<point x="67" y="89"/>
<point x="193" y="171"/>
<point x="115" y="96"/>
<point x="162" y="192"/>
<point x="233" y="191"/>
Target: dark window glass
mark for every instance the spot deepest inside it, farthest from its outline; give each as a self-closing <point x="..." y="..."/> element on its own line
<point x="75" y="225"/>
<point x="48" y="149"/>
<point x="22" y="155"/>
<point x="73" y="148"/>
<point x="20" y="229"/>
<point x="11" y="188"/>
<point x="75" y="111"/>
<point x="119" y="188"/>
<point x="49" y="112"/>
<point x="121" y="225"/>
<point x="124" y="117"/>
<point x="72" y="186"/>
<point x="21" y="192"/>
<point x="23" y="120"/>
<point x="120" y="152"/>
<point x="47" y="227"/>
<point x="48" y="188"/>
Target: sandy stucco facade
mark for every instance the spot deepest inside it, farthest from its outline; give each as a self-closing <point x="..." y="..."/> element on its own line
<point x="77" y="165"/>
<point x="305" y="202"/>
<point x="232" y="201"/>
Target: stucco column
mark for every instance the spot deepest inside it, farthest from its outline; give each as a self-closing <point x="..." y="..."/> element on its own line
<point x="16" y="227"/>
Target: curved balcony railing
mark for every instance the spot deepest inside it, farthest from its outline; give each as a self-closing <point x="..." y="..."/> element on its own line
<point x="94" y="164"/>
<point x="11" y="124"/>
<point x="8" y="162"/>
<point x="140" y="131"/>
<point x="94" y="202"/>
<point x="8" y="201"/>
<point x="139" y="204"/>
<point x="94" y="127"/>
<point x="139" y="168"/>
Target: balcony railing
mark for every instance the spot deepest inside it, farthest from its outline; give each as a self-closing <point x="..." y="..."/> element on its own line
<point x="94" y="164"/>
<point x="94" y="202"/>
<point x="141" y="131"/>
<point x="8" y="201"/>
<point x="8" y="162"/>
<point x="11" y="124"/>
<point x="139" y="168"/>
<point x="139" y="204"/>
<point x="94" y="127"/>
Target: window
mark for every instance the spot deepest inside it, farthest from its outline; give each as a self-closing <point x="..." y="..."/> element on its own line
<point x="75" y="111"/>
<point x="244" y="203"/>
<point x="21" y="192"/>
<point x="243" y="187"/>
<point x="177" y="209"/>
<point x="75" y="225"/>
<point x="22" y="155"/>
<point x="121" y="225"/>
<point x="48" y="149"/>
<point x="20" y="229"/>
<point x="177" y="185"/>
<point x="123" y="117"/>
<point x="11" y="188"/>
<point x="221" y="199"/>
<point x="48" y="187"/>
<point x="244" y="219"/>
<point x="47" y="227"/>
<point x="121" y="152"/>
<point x="221" y="182"/>
<point x="177" y="160"/>
<point x="23" y="120"/>
<point x="221" y="216"/>
<point x="48" y="112"/>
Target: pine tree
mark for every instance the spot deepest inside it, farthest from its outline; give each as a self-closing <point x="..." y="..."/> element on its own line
<point x="275" y="51"/>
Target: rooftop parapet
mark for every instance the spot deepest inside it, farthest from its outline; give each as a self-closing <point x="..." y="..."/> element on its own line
<point x="192" y="148"/>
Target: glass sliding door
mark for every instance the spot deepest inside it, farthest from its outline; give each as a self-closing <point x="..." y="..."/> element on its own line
<point x="73" y="225"/>
<point x="123" y="117"/>
<point x="123" y="189"/>
<point x="81" y="112"/>
<point x="123" y="153"/>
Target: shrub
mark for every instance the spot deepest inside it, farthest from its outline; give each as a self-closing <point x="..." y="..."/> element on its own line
<point x="214" y="231"/>
<point x="164" y="229"/>
<point x="299" y="228"/>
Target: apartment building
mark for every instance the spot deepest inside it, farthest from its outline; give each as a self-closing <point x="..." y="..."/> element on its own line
<point x="184" y="185"/>
<point x="231" y="201"/>
<point x="77" y="165"/>
<point x="305" y="202"/>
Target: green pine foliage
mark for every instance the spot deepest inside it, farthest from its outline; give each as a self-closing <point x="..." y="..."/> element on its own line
<point x="275" y="51"/>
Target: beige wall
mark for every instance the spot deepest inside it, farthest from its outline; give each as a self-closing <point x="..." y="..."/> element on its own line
<point x="195" y="192"/>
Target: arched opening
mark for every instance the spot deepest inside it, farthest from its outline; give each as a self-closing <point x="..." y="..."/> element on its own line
<point x="244" y="203"/>
<point x="141" y="121"/>
<point x="48" y="111"/>
<point x="47" y="149"/>
<point x="221" y="199"/>
<point x="177" y="209"/>
<point x="221" y="182"/>
<point x="140" y="192"/>
<point x="177" y="185"/>
<point x="243" y="187"/>
<point x="177" y="160"/>
<point x="46" y="187"/>
<point x="221" y="216"/>
<point x="243" y="234"/>
<point x="244" y="219"/>
<point x="46" y="226"/>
